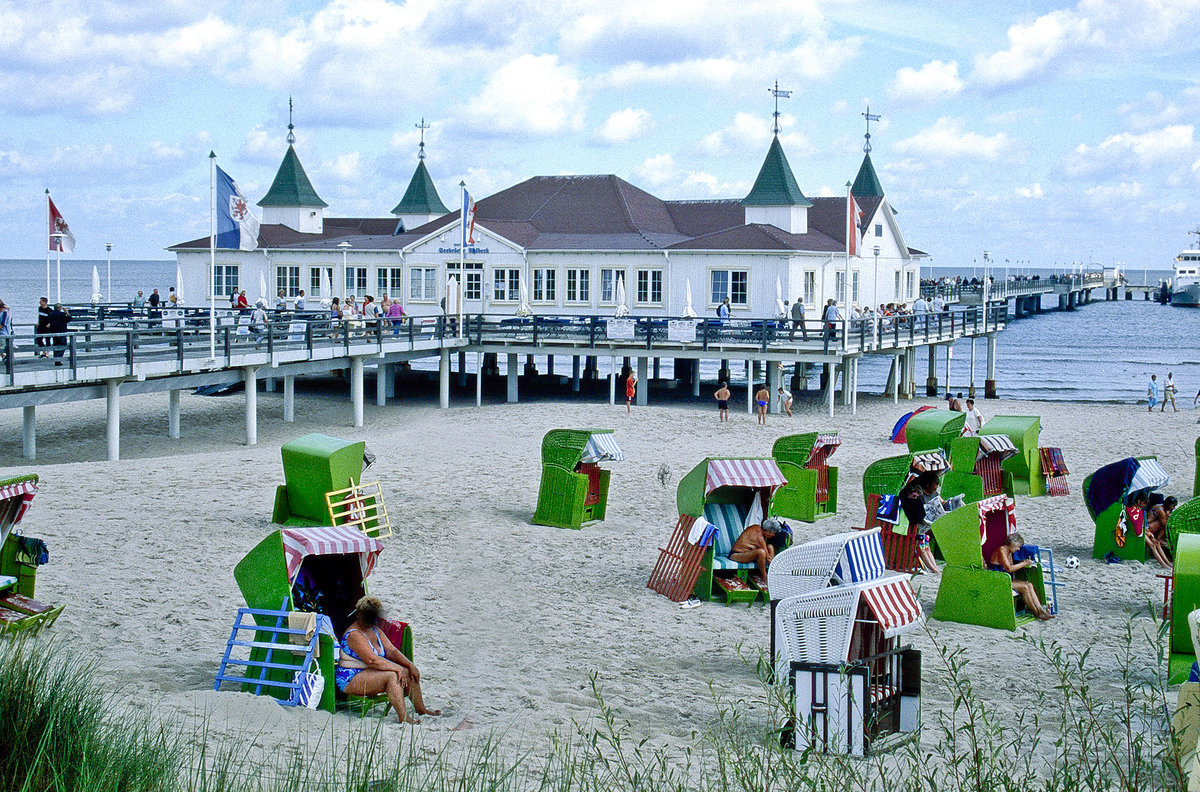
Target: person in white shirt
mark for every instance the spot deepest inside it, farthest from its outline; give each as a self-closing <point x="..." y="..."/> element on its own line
<point x="831" y="318"/>
<point x="280" y="301"/>
<point x="785" y="400"/>
<point x="974" y="417"/>
<point x="938" y="305"/>
<point x="300" y="301"/>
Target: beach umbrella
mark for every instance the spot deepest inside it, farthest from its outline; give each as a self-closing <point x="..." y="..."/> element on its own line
<point x="523" y="309"/>
<point x="687" y="307"/>
<point x="326" y="289"/>
<point x="96" y="295"/>
<point x="779" y="308"/>
<point x="452" y="296"/>
<point x="178" y="284"/>
<point x="262" y="288"/>
<point x="622" y="308"/>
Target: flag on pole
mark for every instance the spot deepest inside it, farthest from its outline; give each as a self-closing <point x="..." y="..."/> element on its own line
<point x="853" y="213"/>
<point x="468" y="219"/>
<point x="237" y="227"/>
<point x="65" y="243"/>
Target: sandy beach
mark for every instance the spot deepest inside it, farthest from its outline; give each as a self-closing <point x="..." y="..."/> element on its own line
<point x="511" y="619"/>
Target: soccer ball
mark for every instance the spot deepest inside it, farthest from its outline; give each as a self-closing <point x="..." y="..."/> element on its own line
<point x="1072" y="562"/>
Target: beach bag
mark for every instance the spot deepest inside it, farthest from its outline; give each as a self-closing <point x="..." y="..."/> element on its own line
<point x="312" y="687"/>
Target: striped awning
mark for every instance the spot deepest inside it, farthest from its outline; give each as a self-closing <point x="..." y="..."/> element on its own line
<point x="996" y="503"/>
<point x="743" y="473"/>
<point x="930" y="460"/>
<point x="21" y="492"/>
<point x="861" y="559"/>
<point x="601" y="447"/>
<point x="328" y="540"/>
<point x="830" y="440"/>
<point x="998" y="444"/>
<point x="1149" y="475"/>
<point x="895" y="606"/>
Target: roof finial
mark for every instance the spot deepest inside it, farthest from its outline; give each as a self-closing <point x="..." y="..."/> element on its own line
<point x="778" y="94"/>
<point x="870" y="117"/>
<point x="422" y="126"/>
<point x="291" y="136"/>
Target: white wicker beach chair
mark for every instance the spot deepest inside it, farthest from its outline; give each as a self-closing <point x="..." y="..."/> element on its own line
<point x="850" y="557"/>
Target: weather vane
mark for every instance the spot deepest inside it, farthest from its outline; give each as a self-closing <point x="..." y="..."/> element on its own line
<point x="291" y="136"/>
<point x="778" y="94"/>
<point x="422" y="126"/>
<point x="870" y="117"/>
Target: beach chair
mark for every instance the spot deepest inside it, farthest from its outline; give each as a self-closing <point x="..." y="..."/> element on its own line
<point x="853" y="686"/>
<point x="574" y="488"/>
<point x="730" y="494"/>
<point x="1108" y="494"/>
<point x="976" y="467"/>
<point x="298" y="571"/>
<point x="679" y="563"/>
<point x="812" y="484"/>
<point x="314" y="465"/>
<point x="1185" y="724"/>
<point x="20" y="557"/>
<point x="1054" y="469"/>
<point x="899" y="434"/>
<point x="884" y="478"/>
<point x="1185" y="598"/>
<point x="1025" y="466"/>
<point x="969" y="592"/>
<point x="930" y="430"/>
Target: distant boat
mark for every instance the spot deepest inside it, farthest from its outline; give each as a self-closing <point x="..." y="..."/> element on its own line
<point x="1185" y="287"/>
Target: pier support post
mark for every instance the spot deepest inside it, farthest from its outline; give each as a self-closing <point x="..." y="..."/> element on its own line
<point x="723" y="373"/>
<point x="289" y="398"/>
<point x="800" y="377"/>
<point x="530" y="366"/>
<point x="854" y="386"/>
<point x="773" y="382"/>
<point x="173" y="414"/>
<point x="550" y="365"/>
<point x="989" y="384"/>
<point x="931" y="382"/>
<point x="1071" y="301"/>
<point x="478" y="380"/>
<point x="113" y="429"/>
<point x="949" y="357"/>
<point x="643" y="384"/>
<point x="657" y="369"/>
<point x="29" y="431"/>
<point x="830" y="373"/>
<point x="269" y="385"/>
<point x="893" y="385"/>
<point x="612" y="381"/>
<point x="749" y="387"/>
<point x="694" y="369"/>
<point x="250" y="375"/>
<point x="897" y="363"/>
<point x="382" y="375"/>
<point x="847" y="388"/>
<point x="444" y="379"/>
<point x="512" y="379"/>
<point x="575" y="373"/>
<point x="971" y="381"/>
<point x="591" y="368"/>
<point x="462" y="369"/>
<point x="491" y="364"/>
<point x="356" y="390"/>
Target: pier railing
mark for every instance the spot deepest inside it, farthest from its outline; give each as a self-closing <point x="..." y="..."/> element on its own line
<point x="135" y="346"/>
<point x="1015" y="287"/>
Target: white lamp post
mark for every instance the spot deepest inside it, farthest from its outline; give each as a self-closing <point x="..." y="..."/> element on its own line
<point x="875" y="285"/>
<point x="108" y="252"/>
<point x="987" y="286"/>
<point x="344" y="246"/>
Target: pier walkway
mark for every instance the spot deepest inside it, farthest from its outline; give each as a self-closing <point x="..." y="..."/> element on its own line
<point x="110" y="354"/>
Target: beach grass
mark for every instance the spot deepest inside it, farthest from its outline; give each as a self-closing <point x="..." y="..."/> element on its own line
<point x="62" y="729"/>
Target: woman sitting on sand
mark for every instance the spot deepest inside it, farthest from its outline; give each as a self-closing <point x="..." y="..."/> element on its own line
<point x="370" y="665"/>
<point x="1002" y="560"/>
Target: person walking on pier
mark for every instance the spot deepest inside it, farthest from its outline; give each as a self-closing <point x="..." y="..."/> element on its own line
<point x="798" y="320"/>
<point x="301" y="302"/>
<point x="1169" y="393"/>
<point x="1152" y="393"/>
<point x="831" y="319"/>
<point x="138" y="301"/>
<point x="722" y="396"/>
<point x="58" y="319"/>
<point x="155" y="299"/>
<point x="6" y="324"/>
<point x="41" y="332"/>
<point x="723" y="309"/>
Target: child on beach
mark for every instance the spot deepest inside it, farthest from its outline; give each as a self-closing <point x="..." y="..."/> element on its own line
<point x="630" y="390"/>
<point x="722" y="396"/>
<point x="785" y="400"/>
<point x="762" y="398"/>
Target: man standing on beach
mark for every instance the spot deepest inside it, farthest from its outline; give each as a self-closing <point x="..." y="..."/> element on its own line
<point x="630" y="390"/>
<point x="785" y="400"/>
<point x="974" y="417"/>
<point x="762" y="398"/>
<point x="722" y="396"/>
<point x="1152" y="393"/>
<point x="798" y="320"/>
<point x="1169" y="393"/>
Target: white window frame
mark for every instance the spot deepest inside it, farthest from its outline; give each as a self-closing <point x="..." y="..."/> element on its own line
<point x="616" y="273"/>
<point x="360" y="281"/>
<point x="389" y="281"/>
<point x="472" y="281"/>
<point x="899" y="295"/>
<point x="284" y="279"/>
<point x="545" y="285"/>
<point x="810" y="287"/>
<point x="510" y="282"/>
<point x="879" y="229"/>
<point x="426" y="278"/>
<point x="579" y="286"/>
<point x="910" y="278"/>
<point x="730" y="275"/>
<point x="854" y="284"/>
<point x="650" y="273"/>
<point x="220" y="279"/>
<point x="839" y="286"/>
<point x="314" y="282"/>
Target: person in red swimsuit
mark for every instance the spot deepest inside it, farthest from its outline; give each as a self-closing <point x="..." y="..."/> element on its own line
<point x="630" y="390"/>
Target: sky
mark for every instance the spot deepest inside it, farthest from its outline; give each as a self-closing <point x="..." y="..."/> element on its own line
<point x="1045" y="133"/>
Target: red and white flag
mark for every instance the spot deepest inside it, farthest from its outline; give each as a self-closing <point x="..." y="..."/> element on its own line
<point x="58" y="235"/>
<point x="852" y="217"/>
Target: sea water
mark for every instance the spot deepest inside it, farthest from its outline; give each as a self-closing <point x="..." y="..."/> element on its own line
<point x="1101" y="352"/>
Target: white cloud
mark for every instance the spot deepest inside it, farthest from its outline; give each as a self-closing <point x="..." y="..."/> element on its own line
<point x="1033" y="47"/>
<point x="658" y="170"/>
<point x="344" y="167"/>
<point x="947" y="139"/>
<point x="1117" y="193"/>
<point x="1171" y="146"/>
<point x="1033" y="191"/>
<point x="533" y="94"/>
<point x="625" y="125"/>
<point x="933" y="81"/>
<point x="749" y="135"/>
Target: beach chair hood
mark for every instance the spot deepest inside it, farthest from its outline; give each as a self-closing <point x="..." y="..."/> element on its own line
<point x="997" y="445"/>
<point x="756" y="473"/>
<point x="602" y="447"/>
<point x="1115" y="481"/>
<point x="15" y="497"/>
<point x="933" y="429"/>
<point x="899" y="433"/>
<point x="298" y="543"/>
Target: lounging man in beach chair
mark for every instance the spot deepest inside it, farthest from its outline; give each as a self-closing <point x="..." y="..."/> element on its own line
<point x="754" y="546"/>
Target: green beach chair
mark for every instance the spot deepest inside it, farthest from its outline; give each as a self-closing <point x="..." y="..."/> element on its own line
<point x="725" y="492"/>
<point x="1185" y="598"/>
<point x="574" y="488"/>
<point x="20" y="557"/>
<point x="314" y="465"/>
<point x="308" y="569"/>
<point x="969" y="592"/>
<point x="1108" y="491"/>
<point x="1025" y="466"/>
<point x="811" y="491"/>
<point x="933" y="429"/>
<point x="886" y="477"/>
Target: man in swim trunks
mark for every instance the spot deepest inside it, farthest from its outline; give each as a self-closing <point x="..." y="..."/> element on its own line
<point x="762" y="398"/>
<point x="753" y="546"/>
<point x="722" y="396"/>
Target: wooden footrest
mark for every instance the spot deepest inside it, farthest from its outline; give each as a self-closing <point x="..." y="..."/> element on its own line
<point x="8" y="617"/>
<point x="736" y="589"/>
<point x="24" y="604"/>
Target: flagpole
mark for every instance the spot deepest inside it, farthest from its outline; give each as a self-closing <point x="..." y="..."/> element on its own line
<point x="212" y="255"/>
<point x="849" y="230"/>
<point x="48" y="241"/>
<point x="462" y="250"/>
<point x="58" y="271"/>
